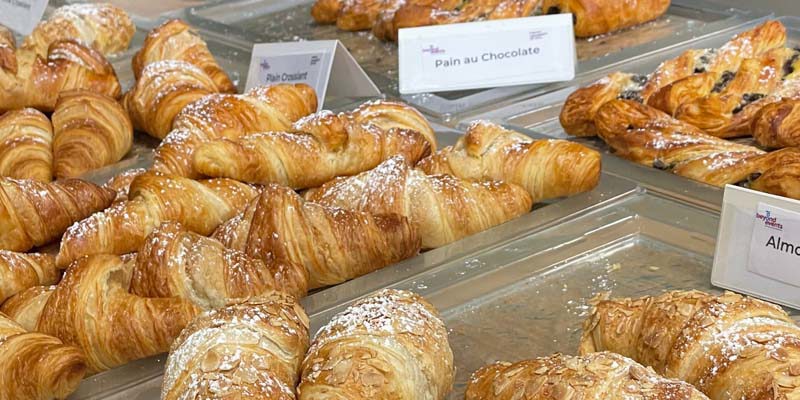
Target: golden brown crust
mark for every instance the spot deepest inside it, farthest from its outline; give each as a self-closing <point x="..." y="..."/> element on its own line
<point x="177" y="263"/>
<point x="217" y="116"/>
<point x="92" y="309"/>
<point x="391" y="345"/>
<point x="20" y="271"/>
<point x="578" y="114"/>
<point x="333" y="244"/>
<point x="442" y="207"/>
<point x="104" y="27"/>
<point x="777" y="125"/>
<point x="251" y="350"/>
<point x="596" y="17"/>
<point x="34" y="213"/>
<point x="547" y="169"/>
<point x="326" y="11"/>
<point x="26" y="307"/>
<point x="91" y="130"/>
<point x="388" y="115"/>
<point x="592" y="376"/>
<point x="26" y="145"/>
<point x="175" y="40"/>
<point x="121" y="183"/>
<point x="727" y="346"/>
<point x="200" y="206"/>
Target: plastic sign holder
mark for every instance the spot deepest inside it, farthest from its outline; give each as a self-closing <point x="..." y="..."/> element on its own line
<point x="22" y="15"/>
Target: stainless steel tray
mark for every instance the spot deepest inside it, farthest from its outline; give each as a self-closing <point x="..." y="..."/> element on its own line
<point x="271" y="21"/>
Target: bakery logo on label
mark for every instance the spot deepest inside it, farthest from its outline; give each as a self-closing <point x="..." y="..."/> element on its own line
<point x="265" y="65"/>
<point x="433" y="50"/>
<point x="537" y="35"/>
<point x="769" y="220"/>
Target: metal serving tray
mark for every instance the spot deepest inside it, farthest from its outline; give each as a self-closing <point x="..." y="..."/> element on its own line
<point x="273" y="21"/>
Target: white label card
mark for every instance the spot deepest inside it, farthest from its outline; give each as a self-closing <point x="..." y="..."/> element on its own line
<point x="487" y="54"/>
<point x="22" y="15"/>
<point x="758" y="246"/>
<point x="325" y="65"/>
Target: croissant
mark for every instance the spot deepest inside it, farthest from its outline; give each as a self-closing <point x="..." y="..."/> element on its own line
<point x="36" y="366"/>
<point x="250" y="350"/>
<point x="28" y="80"/>
<point x="326" y="11"/>
<point x="261" y="109"/>
<point x="391" y="345"/>
<point x="161" y="92"/>
<point x="596" y="17"/>
<point x="20" y="271"/>
<point x="321" y="147"/>
<point x="26" y="145"/>
<point x="647" y="136"/>
<point x="177" y="263"/>
<point x="8" y="48"/>
<point x="104" y="27"/>
<point x="776" y="125"/>
<point x="34" y="214"/>
<point x="92" y="309"/>
<point x="177" y="41"/>
<point x="334" y="245"/>
<point x="90" y="131"/>
<point x="199" y="205"/>
<point x="545" y="168"/>
<point x="26" y="307"/>
<point x="728" y="346"/>
<point x="442" y="207"/>
<point x="600" y="375"/>
<point x="388" y="115"/>
<point x="121" y="183"/>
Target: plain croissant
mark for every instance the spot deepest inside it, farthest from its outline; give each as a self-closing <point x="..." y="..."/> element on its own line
<point x="104" y="27"/>
<point x="26" y="145"/>
<point x="19" y="271"/>
<point x="443" y="208"/>
<point x="200" y="206"/>
<point x="728" y="346"/>
<point x="334" y="245"/>
<point x="391" y="345"/>
<point x="250" y="350"/>
<point x="319" y="148"/>
<point x="177" y="263"/>
<point x="593" y="376"/>
<point x="26" y="307"/>
<point x="177" y="41"/>
<point x="34" y="214"/>
<point x="216" y="116"/>
<point x="36" y="366"/>
<point x="92" y="309"/>
<point x="90" y="131"/>
<point x="389" y="115"/>
<point x="121" y="183"/>
<point x="545" y="168"/>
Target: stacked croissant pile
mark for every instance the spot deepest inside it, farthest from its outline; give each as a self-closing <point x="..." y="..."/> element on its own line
<point x="679" y="117"/>
<point x="253" y="200"/>
<point x="386" y="17"/>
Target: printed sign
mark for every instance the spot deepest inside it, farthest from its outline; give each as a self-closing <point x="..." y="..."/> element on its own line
<point x="325" y="65"/>
<point x="22" y="15"/>
<point x="487" y="54"/>
<point x="758" y="246"/>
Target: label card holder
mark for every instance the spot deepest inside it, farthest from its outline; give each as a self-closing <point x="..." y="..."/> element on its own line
<point x="22" y="15"/>
<point x="325" y="65"/>
<point x="758" y="246"/>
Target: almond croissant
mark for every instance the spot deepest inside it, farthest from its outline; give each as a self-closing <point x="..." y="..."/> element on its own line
<point x="251" y="350"/>
<point x="92" y="309"/>
<point x="216" y="116"/>
<point x="334" y="245"/>
<point x="545" y="168"/>
<point x="175" y="40"/>
<point x="177" y="263"/>
<point x="728" y="346"/>
<point x="26" y="307"/>
<point x="19" y="271"/>
<point x="90" y="131"/>
<point x="200" y="206"/>
<point x="26" y="145"/>
<point x="319" y="148"/>
<point x="34" y="366"/>
<point x="593" y="376"/>
<point x="104" y="27"/>
<point x="34" y="214"/>
<point x="442" y="207"/>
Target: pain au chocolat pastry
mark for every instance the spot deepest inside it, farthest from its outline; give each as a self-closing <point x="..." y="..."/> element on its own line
<point x="728" y="346"/>
<point x="580" y="108"/>
<point x="601" y="375"/>
<point x="596" y="17"/>
<point x="650" y="137"/>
